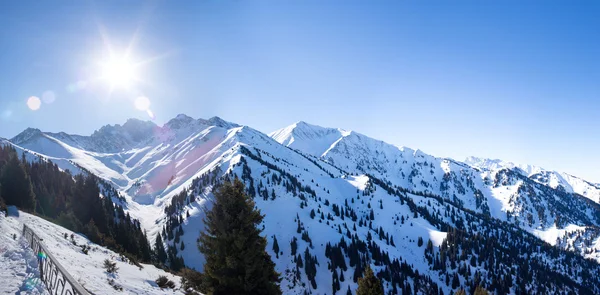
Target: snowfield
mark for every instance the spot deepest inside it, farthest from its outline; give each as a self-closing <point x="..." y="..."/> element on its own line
<point x="88" y="269"/>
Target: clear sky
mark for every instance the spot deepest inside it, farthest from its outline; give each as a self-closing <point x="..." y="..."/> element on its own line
<point x="516" y="80"/>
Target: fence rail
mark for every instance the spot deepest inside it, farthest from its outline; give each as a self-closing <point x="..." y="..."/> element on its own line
<point x="56" y="278"/>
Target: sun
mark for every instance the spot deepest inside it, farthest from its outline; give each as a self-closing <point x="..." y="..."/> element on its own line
<point x="118" y="72"/>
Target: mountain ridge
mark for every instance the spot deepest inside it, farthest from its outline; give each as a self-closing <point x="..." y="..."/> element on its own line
<point x="288" y="136"/>
<point x="349" y="188"/>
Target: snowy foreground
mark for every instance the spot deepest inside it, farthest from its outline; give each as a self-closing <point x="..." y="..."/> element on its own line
<point x="20" y="274"/>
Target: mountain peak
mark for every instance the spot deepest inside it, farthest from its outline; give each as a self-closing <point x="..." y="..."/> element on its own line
<point x="179" y="121"/>
<point x="26" y="135"/>
<point x="217" y="121"/>
<point x="303" y="124"/>
<point x="137" y="123"/>
<point x="309" y="138"/>
<point x="183" y="117"/>
<point x="495" y="164"/>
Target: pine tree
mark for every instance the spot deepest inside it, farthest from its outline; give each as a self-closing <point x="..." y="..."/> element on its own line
<point x="294" y="245"/>
<point x="2" y="204"/>
<point x="16" y="185"/>
<point x="369" y="284"/>
<point x="236" y="260"/>
<point x="111" y="267"/>
<point x="275" y="246"/>
<point x="159" y="249"/>
<point x="455" y="281"/>
<point x="335" y="286"/>
<point x="91" y="231"/>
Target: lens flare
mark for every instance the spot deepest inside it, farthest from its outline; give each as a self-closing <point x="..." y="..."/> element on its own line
<point x="150" y="114"/>
<point x="34" y="103"/>
<point x="142" y="103"/>
<point x="32" y="283"/>
<point x="77" y="86"/>
<point x="48" y="97"/>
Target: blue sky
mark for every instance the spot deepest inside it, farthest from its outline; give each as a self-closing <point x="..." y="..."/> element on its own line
<point x="516" y="80"/>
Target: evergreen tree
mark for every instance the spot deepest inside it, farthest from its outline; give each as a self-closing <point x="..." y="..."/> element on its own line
<point x="71" y="201"/>
<point x="159" y="249"/>
<point x="294" y="245"/>
<point x="275" y="247"/>
<point x="455" y="281"/>
<point x="91" y="231"/>
<point x="16" y="185"/>
<point x="236" y="260"/>
<point x="369" y="284"/>
<point x="2" y="204"/>
<point x="335" y="281"/>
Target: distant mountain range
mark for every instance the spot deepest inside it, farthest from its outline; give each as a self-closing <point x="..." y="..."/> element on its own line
<point x="336" y="200"/>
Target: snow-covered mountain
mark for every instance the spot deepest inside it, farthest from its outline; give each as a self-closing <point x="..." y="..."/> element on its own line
<point x="335" y="200"/>
<point x="531" y="197"/>
<point x="554" y="179"/>
<point x="487" y="186"/>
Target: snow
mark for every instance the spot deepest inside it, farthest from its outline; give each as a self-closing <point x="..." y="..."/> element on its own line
<point x="437" y="237"/>
<point x="20" y="273"/>
<point x="311" y="139"/>
<point x="550" y="235"/>
<point x="160" y="166"/>
<point x="554" y="179"/>
<point x="88" y="269"/>
<point x="359" y="182"/>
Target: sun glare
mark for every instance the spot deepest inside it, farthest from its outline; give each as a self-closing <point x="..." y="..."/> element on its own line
<point x="119" y="72"/>
<point x="34" y="103"/>
<point x="142" y="103"/>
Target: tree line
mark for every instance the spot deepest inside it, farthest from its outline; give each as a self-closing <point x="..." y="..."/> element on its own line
<point x="72" y="201"/>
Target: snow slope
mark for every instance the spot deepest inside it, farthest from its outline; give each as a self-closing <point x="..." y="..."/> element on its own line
<point x="319" y="186"/>
<point x="311" y="139"/>
<point x="228" y="150"/>
<point x="470" y="183"/>
<point x="554" y="179"/>
<point x="529" y="196"/>
<point x="21" y="263"/>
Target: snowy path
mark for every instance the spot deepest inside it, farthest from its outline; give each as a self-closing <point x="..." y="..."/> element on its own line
<point x="19" y="272"/>
<point x="18" y="264"/>
<point x="87" y="269"/>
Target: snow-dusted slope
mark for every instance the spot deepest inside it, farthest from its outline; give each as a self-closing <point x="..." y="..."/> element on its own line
<point x="311" y="139"/>
<point x="554" y="179"/>
<point x="529" y="196"/>
<point x="145" y="160"/>
<point x="19" y="264"/>
<point x="415" y="170"/>
<point x="334" y="188"/>
<point x="177" y="159"/>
